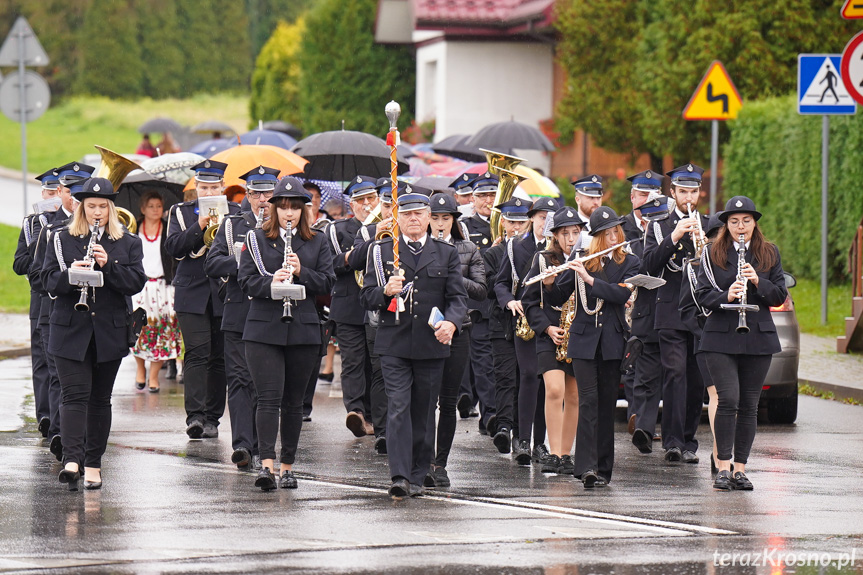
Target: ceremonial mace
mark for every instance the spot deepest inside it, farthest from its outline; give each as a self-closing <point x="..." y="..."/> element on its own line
<point x="392" y="111"/>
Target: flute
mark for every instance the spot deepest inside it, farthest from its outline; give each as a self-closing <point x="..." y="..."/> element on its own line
<point x="564" y="266"/>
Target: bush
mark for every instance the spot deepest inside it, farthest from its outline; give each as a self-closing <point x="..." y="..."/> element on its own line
<point x="774" y="157"/>
<point x="275" y="81"/>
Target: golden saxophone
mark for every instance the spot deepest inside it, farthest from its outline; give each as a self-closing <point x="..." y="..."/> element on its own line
<point x="567" y="314"/>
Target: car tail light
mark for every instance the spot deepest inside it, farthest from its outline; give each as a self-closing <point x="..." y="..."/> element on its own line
<point x="765" y="387"/>
<point x="787" y="306"/>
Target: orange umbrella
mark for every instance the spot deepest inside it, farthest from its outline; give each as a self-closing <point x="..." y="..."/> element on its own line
<point x="242" y="158"/>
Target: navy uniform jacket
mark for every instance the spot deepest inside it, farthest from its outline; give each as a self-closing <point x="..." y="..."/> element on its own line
<point x="55" y="222"/>
<point x="222" y="265"/>
<point x="720" y="333"/>
<point x="24" y="252"/>
<point x="438" y="282"/>
<point x="478" y="231"/>
<point x="263" y="324"/>
<point x="345" y="306"/>
<point x="523" y="250"/>
<point x="539" y="311"/>
<point x="658" y="255"/>
<point x="645" y="302"/>
<point x="631" y="232"/>
<point x="71" y="330"/>
<point x="499" y="323"/>
<point x="606" y="328"/>
<point x="185" y="239"/>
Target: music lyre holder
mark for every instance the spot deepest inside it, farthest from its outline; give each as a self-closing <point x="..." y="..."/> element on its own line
<point x="85" y="278"/>
<point x="282" y="290"/>
<point x="218" y="203"/>
<point x="740" y="306"/>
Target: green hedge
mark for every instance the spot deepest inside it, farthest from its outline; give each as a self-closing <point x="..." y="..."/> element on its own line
<point x="774" y="157"/>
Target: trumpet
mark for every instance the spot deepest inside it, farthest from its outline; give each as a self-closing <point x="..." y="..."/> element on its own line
<point x="742" y="307"/>
<point x="699" y="239"/>
<point x="212" y="227"/>
<point x="86" y="278"/>
<point x="564" y="266"/>
<point x="287" y="290"/>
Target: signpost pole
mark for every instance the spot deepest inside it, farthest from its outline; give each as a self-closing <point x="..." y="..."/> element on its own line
<point x="825" y="156"/>
<point x="23" y="115"/>
<point x="714" y="160"/>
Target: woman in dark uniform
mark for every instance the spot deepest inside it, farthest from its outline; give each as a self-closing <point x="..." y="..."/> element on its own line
<point x="444" y="226"/>
<point x="597" y="338"/>
<point x="87" y="346"/>
<point x="282" y="356"/>
<point x="738" y="362"/>
<point x="561" y="390"/>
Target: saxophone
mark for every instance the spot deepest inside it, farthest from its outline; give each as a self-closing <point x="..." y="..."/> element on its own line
<point x="567" y="314"/>
<point x="523" y="329"/>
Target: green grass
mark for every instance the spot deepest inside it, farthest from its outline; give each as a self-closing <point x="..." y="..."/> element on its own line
<point x="68" y="131"/>
<point x="807" y="303"/>
<point x="14" y="289"/>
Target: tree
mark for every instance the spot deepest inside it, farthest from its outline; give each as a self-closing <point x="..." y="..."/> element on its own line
<point x="346" y="76"/>
<point x="265" y="15"/>
<point x="275" y="81"/>
<point x="230" y="46"/>
<point x="197" y="20"/>
<point x="110" y="63"/>
<point x="159" y="33"/>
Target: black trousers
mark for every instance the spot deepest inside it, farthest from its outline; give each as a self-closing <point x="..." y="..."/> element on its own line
<point x="412" y="387"/>
<point x="482" y="368"/>
<point x="281" y="374"/>
<point x="39" y="364"/>
<point x="86" y="407"/>
<point x="647" y="390"/>
<point x="242" y="398"/>
<point x="682" y="390"/>
<point x="598" y="381"/>
<point x="738" y="380"/>
<point x="453" y="370"/>
<point x="377" y="391"/>
<point x="505" y="377"/>
<point x="355" y="366"/>
<point x="203" y="366"/>
<point x="531" y="393"/>
<point x="311" y="386"/>
<point x="55" y="393"/>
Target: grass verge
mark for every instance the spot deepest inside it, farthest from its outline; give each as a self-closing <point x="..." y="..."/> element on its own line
<point x="807" y="303"/>
<point x="14" y="289"/>
<point x="807" y="389"/>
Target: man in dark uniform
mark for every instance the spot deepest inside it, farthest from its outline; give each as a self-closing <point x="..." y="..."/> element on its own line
<point x="463" y="192"/>
<point x="21" y="265"/>
<point x="222" y="262"/>
<point x="346" y="311"/>
<point x="514" y="220"/>
<point x="413" y="352"/>
<point x="71" y="177"/>
<point x="198" y="305"/>
<point x="668" y="244"/>
<point x="509" y="288"/>
<point x="483" y="191"/>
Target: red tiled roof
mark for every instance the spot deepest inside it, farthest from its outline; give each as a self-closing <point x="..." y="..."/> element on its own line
<point x="464" y="14"/>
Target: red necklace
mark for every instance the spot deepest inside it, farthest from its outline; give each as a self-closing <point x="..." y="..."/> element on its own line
<point x="158" y="231"/>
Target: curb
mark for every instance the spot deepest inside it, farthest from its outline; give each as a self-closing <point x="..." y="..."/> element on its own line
<point x="839" y="391"/>
<point x="14" y="352"/>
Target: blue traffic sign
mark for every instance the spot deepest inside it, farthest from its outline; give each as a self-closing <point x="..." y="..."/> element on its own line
<point x="820" y="89"/>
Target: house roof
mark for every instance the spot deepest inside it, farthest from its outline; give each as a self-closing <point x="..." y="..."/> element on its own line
<point x="495" y="16"/>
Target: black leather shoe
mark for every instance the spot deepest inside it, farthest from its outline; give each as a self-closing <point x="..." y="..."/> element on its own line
<point x="241" y="457"/>
<point x="195" y="429"/>
<point x="328" y="377"/>
<point x="673" y="455"/>
<point x="139" y="385"/>
<point x="502" y="440"/>
<point x="70" y="478"/>
<point x="56" y="447"/>
<point x="441" y="478"/>
<point x="265" y="480"/>
<point x="256" y="463"/>
<point x="589" y="478"/>
<point x="491" y="425"/>
<point x="551" y="465"/>
<point x="741" y="482"/>
<point x="428" y="480"/>
<point x="210" y="431"/>
<point x="172" y="369"/>
<point x="307" y="418"/>
<point x="540" y="453"/>
<point x="463" y="406"/>
<point x="44" y="426"/>
<point x="567" y="467"/>
<point x="522" y="453"/>
<point x="287" y="480"/>
<point x="642" y="440"/>
<point x="600" y="481"/>
<point x="400" y="488"/>
<point x="381" y="444"/>
<point x="482" y="428"/>
<point x="689" y="457"/>
<point x="723" y="481"/>
<point x="415" y="490"/>
<point x="473" y="412"/>
<point x="356" y="423"/>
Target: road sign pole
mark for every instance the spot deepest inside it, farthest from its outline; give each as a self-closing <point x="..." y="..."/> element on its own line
<point x="825" y="164"/>
<point x="714" y="160"/>
<point x="23" y="114"/>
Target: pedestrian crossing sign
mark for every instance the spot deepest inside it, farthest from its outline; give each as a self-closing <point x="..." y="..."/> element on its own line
<point x="820" y="89"/>
<point x="852" y="10"/>
<point x="716" y="97"/>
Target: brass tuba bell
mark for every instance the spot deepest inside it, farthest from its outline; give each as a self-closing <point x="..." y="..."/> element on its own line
<point x="501" y="165"/>
<point x="115" y="168"/>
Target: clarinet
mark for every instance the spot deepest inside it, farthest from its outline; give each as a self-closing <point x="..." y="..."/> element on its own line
<point x="287" y="316"/>
<point x="88" y="259"/>
<point x="741" y="259"/>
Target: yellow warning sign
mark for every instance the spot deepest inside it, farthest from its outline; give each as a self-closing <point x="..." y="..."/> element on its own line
<point x="716" y="98"/>
<point x="852" y="10"/>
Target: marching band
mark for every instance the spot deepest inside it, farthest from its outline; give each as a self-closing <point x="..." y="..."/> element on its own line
<point x="537" y="313"/>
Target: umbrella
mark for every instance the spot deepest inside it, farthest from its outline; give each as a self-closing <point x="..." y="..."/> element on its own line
<point x="213" y="126"/>
<point x="160" y="125"/>
<point x="454" y="146"/>
<point x="268" y="138"/>
<point x="133" y="187"/>
<point x="329" y="191"/>
<point x="283" y="127"/>
<point x="435" y="183"/>
<point x="176" y="168"/>
<point x="209" y="147"/>
<point x="342" y="154"/>
<point x="510" y="135"/>
<point x="536" y="185"/>
<point x="241" y="159"/>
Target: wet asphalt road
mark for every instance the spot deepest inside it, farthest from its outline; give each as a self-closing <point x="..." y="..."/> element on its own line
<point x="170" y="505"/>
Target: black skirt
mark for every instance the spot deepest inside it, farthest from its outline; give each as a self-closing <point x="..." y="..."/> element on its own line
<point x="546" y="361"/>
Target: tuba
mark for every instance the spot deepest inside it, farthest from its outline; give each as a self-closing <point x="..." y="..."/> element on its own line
<point x="501" y="165"/>
<point x="115" y="168"/>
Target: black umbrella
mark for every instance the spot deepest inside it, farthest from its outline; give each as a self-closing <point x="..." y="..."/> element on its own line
<point x="212" y="127"/>
<point x="160" y="125"/>
<point x="342" y="154"/>
<point x="283" y="127"/>
<point x="454" y="146"/>
<point x="511" y="135"/>
<point x="133" y="187"/>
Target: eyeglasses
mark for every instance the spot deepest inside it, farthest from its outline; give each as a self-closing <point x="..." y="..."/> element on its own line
<point x="256" y="195"/>
<point x="365" y="199"/>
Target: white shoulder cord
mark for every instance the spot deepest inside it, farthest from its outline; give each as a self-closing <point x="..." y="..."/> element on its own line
<point x="690" y="274"/>
<point x="252" y="241"/>
<point x="58" y="250"/>
<point x="658" y="234"/>
<point x="229" y="235"/>
<point x="334" y="238"/>
<point x="583" y="296"/>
